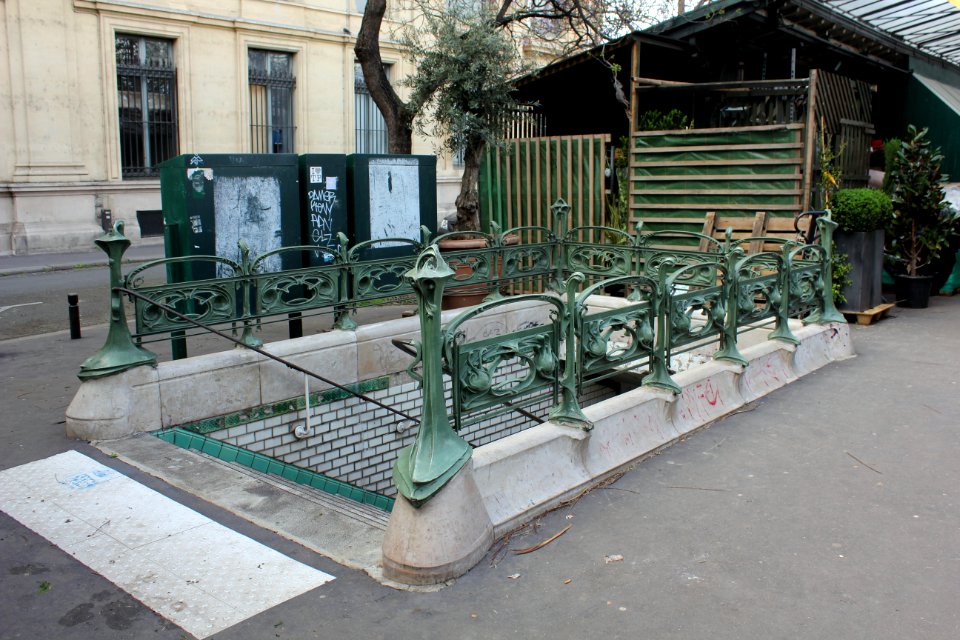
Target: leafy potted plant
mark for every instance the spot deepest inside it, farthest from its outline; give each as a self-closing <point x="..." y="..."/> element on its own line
<point x="861" y="216"/>
<point x="921" y="226"/>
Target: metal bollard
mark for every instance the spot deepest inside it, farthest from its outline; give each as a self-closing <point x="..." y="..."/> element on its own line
<point x="73" y="311"/>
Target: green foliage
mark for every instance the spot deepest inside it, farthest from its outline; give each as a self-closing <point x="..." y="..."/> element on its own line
<point x="841" y="275"/>
<point x="861" y="209"/>
<point x="654" y="120"/>
<point x="891" y="149"/>
<point x="830" y="174"/>
<point x="465" y="66"/>
<point x="921" y="227"/>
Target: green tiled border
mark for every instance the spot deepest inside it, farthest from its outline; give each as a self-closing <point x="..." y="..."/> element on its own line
<point x="264" y="411"/>
<point x="266" y="464"/>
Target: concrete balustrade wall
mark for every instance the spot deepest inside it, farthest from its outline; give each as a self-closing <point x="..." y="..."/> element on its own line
<point x="513" y="480"/>
<point x="550" y="463"/>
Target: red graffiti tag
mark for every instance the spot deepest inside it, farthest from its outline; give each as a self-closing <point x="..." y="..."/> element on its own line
<point x="711" y="394"/>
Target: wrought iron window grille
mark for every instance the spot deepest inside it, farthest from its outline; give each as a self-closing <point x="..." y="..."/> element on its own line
<point x="272" y="84"/>
<point x="147" y="104"/>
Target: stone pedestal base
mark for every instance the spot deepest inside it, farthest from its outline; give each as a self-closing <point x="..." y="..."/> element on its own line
<point x="442" y="539"/>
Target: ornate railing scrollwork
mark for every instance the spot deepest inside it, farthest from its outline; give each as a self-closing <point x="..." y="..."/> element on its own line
<point x="524" y="369"/>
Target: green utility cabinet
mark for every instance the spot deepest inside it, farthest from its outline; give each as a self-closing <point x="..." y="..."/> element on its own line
<point x="323" y="203"/>
<point x="391" y="196"/>
<point x="213" y="201"/>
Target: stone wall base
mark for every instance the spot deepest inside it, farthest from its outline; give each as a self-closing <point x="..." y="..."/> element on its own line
<point x="524" y="475"/>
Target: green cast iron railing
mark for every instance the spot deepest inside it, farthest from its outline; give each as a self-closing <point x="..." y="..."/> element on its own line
<point x="675" y="299"/>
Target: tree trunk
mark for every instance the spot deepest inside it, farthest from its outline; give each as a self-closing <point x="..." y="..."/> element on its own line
<point x="468" y="201"/>
<point x="396" y="113"/>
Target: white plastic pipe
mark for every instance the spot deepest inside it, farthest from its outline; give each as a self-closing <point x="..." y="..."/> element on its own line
<point x="305" y="430"/>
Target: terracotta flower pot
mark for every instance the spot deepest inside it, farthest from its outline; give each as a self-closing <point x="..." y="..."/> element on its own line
<point x="456" y="297"/>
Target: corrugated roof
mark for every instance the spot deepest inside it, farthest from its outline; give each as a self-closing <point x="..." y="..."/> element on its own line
<point x="932" y="26"/>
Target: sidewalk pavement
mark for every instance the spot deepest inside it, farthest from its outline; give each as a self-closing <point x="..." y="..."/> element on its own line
<point x="143" y="251"/>
<point x="828" y="509"/>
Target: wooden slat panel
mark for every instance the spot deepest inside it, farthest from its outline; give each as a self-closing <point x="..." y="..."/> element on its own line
<point x="810" y="144"/>
<point x="518" y="175"/>
<point x="759" y="224"/>
<point x="550" y="196"/>
<point x="676" y="220"/>
<point x="509" y="182"/>
<point x="714" y="176"/>
<point x="733" y="162"/>
<point x="709" y="226"/>
<point x="590" y="173"/>
<point x="717" y="192"/>
<point x="708" y="206"/>
<point x="529" y="183"/>
<point x="527" y="177"/>
<point x="725" y="147"/>
<point x="539" y="171"/>
<point x="569" y="198"/>
<point x="699" y="132"/>
<point x="775" y="223"/>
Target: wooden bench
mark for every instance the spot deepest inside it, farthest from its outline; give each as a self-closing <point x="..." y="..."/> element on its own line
<point x="761" y="225"/>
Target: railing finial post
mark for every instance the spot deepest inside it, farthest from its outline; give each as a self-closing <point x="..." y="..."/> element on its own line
<point x="568" y="412"/>
<point x="731" y="295"/>
<point x="246" y="265"/>
<point x="438" y="453"/>
<point x="559" y="209"/>
<point x="341" y="313"/>
<point x="118" y="352"/>
<point x="659" y="374"/>
<point x="782" y="330"/>
<point x="827" y="226"/>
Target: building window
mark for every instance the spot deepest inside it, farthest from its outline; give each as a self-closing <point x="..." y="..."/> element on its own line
<point x="371" y="130"/>
<point x="147" y="98"/>
<point x="271" y="101"/>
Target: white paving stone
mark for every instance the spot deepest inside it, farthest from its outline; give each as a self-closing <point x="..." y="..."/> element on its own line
<point x="197" y="573"/>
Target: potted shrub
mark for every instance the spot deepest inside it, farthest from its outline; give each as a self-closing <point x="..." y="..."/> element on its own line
<point x="861" y="216"/>
<point x="921" y="227"/>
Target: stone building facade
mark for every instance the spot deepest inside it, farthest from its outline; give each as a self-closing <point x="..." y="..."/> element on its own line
<point x="93" y="93"/>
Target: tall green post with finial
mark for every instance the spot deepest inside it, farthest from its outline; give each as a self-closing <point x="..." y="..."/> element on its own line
<point x="568" y="411"/>
<point x="560" y="209"/>
<point x="118" y="353"/>
<point x="438" y="453"/>
<point x="830" y="312"/>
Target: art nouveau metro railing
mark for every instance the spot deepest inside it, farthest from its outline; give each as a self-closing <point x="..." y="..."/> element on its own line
<point x="673" y="298"/>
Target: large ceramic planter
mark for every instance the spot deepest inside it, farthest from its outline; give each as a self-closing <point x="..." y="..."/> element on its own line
<point x="913" y="291"/>
<point x="456" y="297"/>
<point x="864" y="251"/>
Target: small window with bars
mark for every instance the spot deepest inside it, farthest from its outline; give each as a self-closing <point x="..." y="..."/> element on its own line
<point x="147" y="104"/>
<point x="270" y="74"/>
<point x="370" y="127"/>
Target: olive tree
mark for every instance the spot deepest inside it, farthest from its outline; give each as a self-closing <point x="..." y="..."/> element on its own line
<point x="566" y="25"/>
<point x="462" y="89"/>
